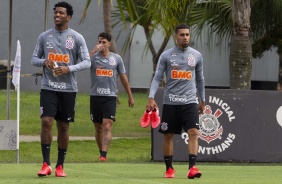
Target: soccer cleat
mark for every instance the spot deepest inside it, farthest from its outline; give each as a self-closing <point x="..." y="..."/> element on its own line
<point x="45" y="170"/>
<point x="155" y="118"/>
<point x="169" y="173"/>
<point x="60" y="171"/>
<point x="146" y="119"/>
<point x="194" y="173"/>
<point x="102" y="158"/>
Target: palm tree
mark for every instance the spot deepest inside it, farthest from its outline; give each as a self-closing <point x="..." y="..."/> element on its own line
<point x="107" y="9"/>
<point x="152" y="16"/>
<point x="240" y="60"/>
<point x="229" y="18"/>
<point x="222" y="15"/>
<point x="166" y="14"/>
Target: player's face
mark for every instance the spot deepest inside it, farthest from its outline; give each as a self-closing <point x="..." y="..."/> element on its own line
<point x="61" y="17"/>
<point x="183" y="38"/>
<point x="105" y="43"/>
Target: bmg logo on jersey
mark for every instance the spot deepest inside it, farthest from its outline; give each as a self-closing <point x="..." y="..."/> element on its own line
<point x="181" y="74"/>
<point x="104" y="72"/>
<point x="216" y="115"/>
<point x="61" y="58"/>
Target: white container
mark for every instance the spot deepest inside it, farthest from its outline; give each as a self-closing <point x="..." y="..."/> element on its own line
<point x="55" y="66"/>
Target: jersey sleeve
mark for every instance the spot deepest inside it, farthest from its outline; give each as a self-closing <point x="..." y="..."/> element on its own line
<point x="120" y="66"/>
<point x="161" y="66"/>
<point x="83" y="55"/>
<point x="38" y="52"/>
<point x="200" y="80"/>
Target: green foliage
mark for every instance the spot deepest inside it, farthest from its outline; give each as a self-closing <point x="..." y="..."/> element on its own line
<point x="270" y="40"/>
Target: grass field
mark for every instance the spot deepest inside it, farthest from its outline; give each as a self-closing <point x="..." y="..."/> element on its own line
<point x="126" y="125"/>
<point x="129" y="158"/>
<point x="140" y="173"/>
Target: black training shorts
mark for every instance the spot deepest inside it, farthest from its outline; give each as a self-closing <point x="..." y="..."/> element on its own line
<point x="102" y="107"/>
<point x="178" y="117"/>
<point x="60" y="105"/>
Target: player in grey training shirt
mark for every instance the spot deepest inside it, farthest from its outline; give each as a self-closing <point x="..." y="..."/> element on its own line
<point x="183" y="67"/>
<point x="58" y="51"/>
<point x="105" y="66"/>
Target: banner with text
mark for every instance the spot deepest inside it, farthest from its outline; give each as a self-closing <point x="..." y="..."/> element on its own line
<point x="237" y="126"/>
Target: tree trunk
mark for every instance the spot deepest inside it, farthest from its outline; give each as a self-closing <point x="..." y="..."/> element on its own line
<point x="107" y="8"/>
<point x="240" y="60"/>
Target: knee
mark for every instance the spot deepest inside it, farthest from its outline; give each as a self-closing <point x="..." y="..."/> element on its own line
<point x="107" y="125"/>
<point x="46" y="123"/>
<point x="63" y="127"/>
<point x="98" y="127"/>
<point x="193" y="133"/>
<point x="168" y="137"/>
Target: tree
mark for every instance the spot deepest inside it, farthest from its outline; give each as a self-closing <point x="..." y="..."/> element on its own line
<point x="152" y="16"/>
<point x="219" y="15"/>
<point x="267" y="18"/>
<point x="107" y="9"/>
<point x="240" y="60"/>
<point x="229" y="18"/>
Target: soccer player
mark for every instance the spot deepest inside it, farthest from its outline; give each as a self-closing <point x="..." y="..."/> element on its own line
<point x="183" y="67"/>
<point x="57" y="50"/>
<point x="105" y="66"/>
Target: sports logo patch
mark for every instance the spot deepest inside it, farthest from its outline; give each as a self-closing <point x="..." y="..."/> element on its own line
<point x="164" y="126"/>
<point x="191" y="59"/>
<point x="69" y="42"/>
<point x="112" y="61"/>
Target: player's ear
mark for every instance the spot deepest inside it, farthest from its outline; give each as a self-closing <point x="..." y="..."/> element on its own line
<point x="69" y="17"/>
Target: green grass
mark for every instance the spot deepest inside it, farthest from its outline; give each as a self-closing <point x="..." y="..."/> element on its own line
<point x="140" y="173"/>
<point x="129" y="159"/>
<point x="121" y="150"/>
<point x="126" y="125"/>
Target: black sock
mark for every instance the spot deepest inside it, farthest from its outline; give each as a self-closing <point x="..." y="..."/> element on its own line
<point x="192" y="160"/>
<point x="168" y="161"/>
<point x="100" y="152"/>
<point x="61" y="157"/>
<point x="104" y="154"/>
<point x="45" y="149"/>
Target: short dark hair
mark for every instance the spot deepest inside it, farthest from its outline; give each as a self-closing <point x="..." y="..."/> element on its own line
<point x="181" y="26"/>
<point x="65" y="5"/>
<point x="105" y="35"/>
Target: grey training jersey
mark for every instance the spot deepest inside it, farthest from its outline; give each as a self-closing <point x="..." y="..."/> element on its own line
<point x="103" y="74"/>
<point x="66" y="48"/>
<point x="184" y="74"/>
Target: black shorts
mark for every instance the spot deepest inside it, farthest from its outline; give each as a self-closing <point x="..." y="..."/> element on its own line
<point x="102" y="107"/>
<point x="178" y="117"/>
<point x="60" y="105"/>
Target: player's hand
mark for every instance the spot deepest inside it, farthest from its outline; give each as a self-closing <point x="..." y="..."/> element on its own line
<point x="49" y="64"/>
<point x="131" y="102"/>
<point x="201" y="107"/>
<point x="151" y="105"/>
<point x="61" y="70"/>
